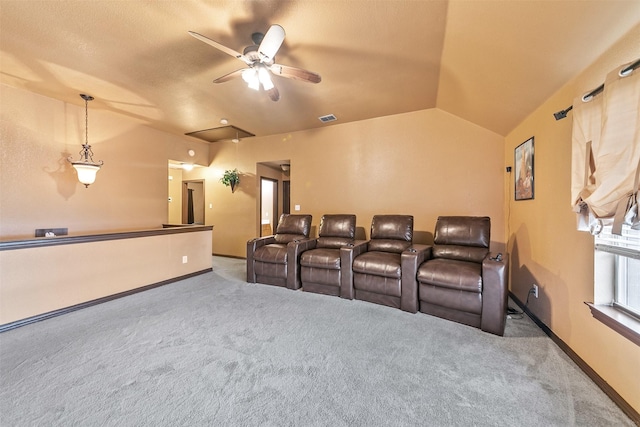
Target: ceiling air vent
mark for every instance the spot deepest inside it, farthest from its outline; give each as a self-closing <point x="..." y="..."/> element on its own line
<point x="328" y="118"/>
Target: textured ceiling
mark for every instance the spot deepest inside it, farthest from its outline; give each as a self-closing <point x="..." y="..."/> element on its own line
<point x="490" y="62"/>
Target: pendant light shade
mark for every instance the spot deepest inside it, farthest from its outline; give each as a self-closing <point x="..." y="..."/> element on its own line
<point x="86" y="167"/>
<point x="86" y="172"/>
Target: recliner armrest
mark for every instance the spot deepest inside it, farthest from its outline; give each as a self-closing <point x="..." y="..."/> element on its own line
<point x="302" y="245"/>
<point x="495" y="286"/>
<point x="260" y="241"/>
<point x="294" y="249"/>
<point x="422" y="252"/>
<point x="306" y="244"/>
<point x="252" y="245"/>
<point x="410" y="260"/>
<point x="347" y="255"/>
<point x="357" y="247"/>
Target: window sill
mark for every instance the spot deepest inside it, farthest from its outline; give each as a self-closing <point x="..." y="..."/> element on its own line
<point x="624" y="324"/>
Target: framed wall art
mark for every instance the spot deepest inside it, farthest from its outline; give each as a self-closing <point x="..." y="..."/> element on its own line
<point x="524" y="179"/>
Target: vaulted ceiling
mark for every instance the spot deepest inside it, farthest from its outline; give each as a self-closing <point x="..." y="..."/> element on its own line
<point x="491" y="62"/>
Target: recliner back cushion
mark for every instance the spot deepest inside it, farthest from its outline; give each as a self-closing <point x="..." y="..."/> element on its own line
<point x="332" y="242"/>
<point x="391" y="233"/>
<point x="336" y="231"/>
<point x="462" y="253"/>
<point x="388" y="245"/>
<point x="286" y="238"/>
<point x="462" y="237"/>
<point x="292" y="227"/>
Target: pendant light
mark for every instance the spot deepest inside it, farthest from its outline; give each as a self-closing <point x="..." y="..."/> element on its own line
<point x="86" y="167"/>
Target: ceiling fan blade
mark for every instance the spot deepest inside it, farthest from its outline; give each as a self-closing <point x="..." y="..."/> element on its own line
<point x="223" y="48"/>
<point x="232" y="75"/>
<point x="274" y="94"/>
<point x="271" y="43"/>
<point x="295" y="73"/>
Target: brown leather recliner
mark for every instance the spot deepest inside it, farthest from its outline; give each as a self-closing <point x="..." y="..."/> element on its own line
<point x="326" y="267"/>
<point x="274" y="260"/>
<point x="385" y="272"/>
<point x="461" y="280"/>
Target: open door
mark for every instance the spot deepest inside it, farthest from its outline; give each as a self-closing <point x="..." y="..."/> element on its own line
<point x="268" y="206"/>
<point x="193" y="202"/>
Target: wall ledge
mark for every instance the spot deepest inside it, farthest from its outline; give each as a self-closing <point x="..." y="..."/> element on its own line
<point x="588" y="370"/>
<point x="40" y="242"/>
<point x="621" y="322"/>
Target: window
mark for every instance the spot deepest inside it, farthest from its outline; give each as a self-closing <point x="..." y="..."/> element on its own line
<point x="617" y="269"/>
<point x="605" y="137"/>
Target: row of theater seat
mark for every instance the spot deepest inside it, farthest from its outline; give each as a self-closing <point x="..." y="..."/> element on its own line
<point x="456" y="278"/>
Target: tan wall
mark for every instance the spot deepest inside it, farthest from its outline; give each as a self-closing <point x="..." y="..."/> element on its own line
<point x="39" y="188"/>
<point x="39" y="280"/>
<point x="400" y="164"/>
<point x="426" y="163"/>
<point x="175" y="192"/>
<point x="545" y="247"/>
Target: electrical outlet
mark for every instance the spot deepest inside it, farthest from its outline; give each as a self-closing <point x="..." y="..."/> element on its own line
<point x="535" y="290"/>
<point x="184" y="261"/>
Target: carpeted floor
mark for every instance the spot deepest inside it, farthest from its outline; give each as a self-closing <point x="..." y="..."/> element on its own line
<point x="215" y="350"/>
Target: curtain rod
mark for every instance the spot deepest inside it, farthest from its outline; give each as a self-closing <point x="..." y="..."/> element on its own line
<point x="563" y="113"/>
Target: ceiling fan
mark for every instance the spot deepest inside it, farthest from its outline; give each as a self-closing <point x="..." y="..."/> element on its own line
<point x="260" y="61"/>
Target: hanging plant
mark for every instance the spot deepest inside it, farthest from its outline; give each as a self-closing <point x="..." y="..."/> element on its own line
<point x="231" y="178"/>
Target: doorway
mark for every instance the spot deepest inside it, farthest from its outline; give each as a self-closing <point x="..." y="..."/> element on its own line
<point x="193" y="202"/>
<point x="268" y="206"/>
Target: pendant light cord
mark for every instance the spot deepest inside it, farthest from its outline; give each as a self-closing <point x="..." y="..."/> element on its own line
<point x="86" y="98"/>
<point x="86" y="121"/>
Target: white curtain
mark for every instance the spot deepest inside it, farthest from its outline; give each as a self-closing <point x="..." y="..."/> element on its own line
<point x="606" y="150"/>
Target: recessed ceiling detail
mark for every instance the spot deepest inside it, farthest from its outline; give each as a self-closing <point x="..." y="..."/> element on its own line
<point x="223" y="133"/>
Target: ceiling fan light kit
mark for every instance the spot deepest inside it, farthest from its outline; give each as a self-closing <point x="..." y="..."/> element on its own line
<point x="250" y="76"/>
<point x="260" y="59"/>
<point x="263" y="76"/>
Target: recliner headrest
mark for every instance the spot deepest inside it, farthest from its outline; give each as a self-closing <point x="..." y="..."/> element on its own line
<point x="291" y="227"/>
<point x="338" y="226"/>
<point x="463" y="231"/>
<point x="398" y="227"/>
